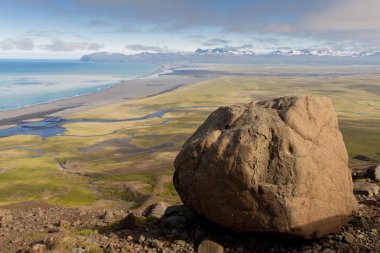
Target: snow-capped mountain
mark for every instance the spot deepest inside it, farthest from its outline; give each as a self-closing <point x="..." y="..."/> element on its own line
<point x="222" y="51"/>
<point x="322" y="52"/>
<point x="293" y="52"/>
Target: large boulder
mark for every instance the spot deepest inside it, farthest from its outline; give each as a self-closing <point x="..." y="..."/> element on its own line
<point x="276" y="166"/>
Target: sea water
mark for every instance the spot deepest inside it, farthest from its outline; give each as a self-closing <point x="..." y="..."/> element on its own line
<point x="30" y="82"/>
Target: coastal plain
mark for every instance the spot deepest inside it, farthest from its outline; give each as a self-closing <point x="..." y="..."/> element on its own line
<point x="121" y="151"/>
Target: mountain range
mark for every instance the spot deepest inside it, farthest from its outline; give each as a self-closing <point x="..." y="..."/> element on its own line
<point x="225" y="55"/>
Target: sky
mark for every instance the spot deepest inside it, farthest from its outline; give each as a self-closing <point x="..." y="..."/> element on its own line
<point x="71" y="28"/>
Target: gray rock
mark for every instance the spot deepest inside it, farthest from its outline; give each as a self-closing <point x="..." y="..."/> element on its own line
<point x="349" y="238"/>
<point x="374" y="173"/>
<point x="107" y="215"/>
<point x="156" y="210"/>
<point x="360" y="222"/>
<point x="366" y="188"/>
<point x="53" y="230"/>
<point x="154" y="243"/>
<point x="208" y="246"/>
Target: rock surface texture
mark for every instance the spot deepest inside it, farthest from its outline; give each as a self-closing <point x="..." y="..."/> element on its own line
<point x="276" y="166"/>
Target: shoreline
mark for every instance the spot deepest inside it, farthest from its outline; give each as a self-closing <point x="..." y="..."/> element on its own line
<point x="157" y="72"/>
<point x="155" y="83"/>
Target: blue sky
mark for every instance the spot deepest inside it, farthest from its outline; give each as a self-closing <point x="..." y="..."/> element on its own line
<point x="70" y="28"/>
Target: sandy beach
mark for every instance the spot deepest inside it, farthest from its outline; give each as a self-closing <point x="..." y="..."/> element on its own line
<point x="153" y="84"/>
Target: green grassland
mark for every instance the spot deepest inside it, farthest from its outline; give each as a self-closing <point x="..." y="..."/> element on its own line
<point x="133" y="160"/>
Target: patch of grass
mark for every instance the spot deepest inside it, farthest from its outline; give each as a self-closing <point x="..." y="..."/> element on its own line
<point x="146" y="178"/>
<point x="86" y="232"/>
<point x="169" y="189"/>
<point x="20" y="141"/>
<point x="362" y="137"/>
<point x="39" y="179"/>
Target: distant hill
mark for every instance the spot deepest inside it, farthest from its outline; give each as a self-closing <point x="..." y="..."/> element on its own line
<point x="235" y="56"/>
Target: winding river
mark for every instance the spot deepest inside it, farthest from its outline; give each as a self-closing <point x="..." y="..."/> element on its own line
<point x="53" y="126"/>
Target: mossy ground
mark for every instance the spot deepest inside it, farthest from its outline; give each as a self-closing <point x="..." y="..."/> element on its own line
<point x="133" y="160"/>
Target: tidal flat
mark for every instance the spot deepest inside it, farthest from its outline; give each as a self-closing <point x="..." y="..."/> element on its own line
<point x="103" y="155"/>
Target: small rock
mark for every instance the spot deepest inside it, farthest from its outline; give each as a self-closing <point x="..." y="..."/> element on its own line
<point x="331" y="242"/>
<point x="110" y="248"/>
<point x="63" y="223"/>
<point x="77" y="222"/>
<point x="374" y="173"/>
<point x="129" y="238"/>
<point x="37" y="248"/>
<point x="132" y="221"/>
<point x="359" y="173"/>
<point x="363" y="222"/>
<point x="166" y="250"/>
<point x="365" y="188"/>
<point x="51" y="241"/>
<point x="316" y="247"/>
<point x="53" y="230"/>
<point x="7" y="217"/>
<point x="349" y="238"/>
<point x="180" y="242"/>
<point x="141" y="239"/>
<point x="119" y="212"/>
<point x="154" y="243"/>
<point x="360" y="236"/>
<point x="156" y="210"/>
<point x="107" y="215"/>
<point x="208" y="246"/>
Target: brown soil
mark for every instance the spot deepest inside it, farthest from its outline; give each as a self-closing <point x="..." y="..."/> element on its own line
<point x="37" y="227"/>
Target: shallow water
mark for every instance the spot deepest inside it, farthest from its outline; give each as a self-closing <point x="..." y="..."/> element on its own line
<point x="53" y="126"/>
<point x="29" y="82"/>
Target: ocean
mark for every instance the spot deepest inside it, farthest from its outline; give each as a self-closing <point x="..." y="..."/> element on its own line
<point x="30" y="82"/>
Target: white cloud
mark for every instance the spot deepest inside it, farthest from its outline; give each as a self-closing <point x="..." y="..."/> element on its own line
<point x="140" y="47"/>
<point x="13" y="44"/>
<point x="68" y="46"/>
<point x="342" y="21"/>
<point x="215" y="42"/>
<point x="345" y="15"/>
